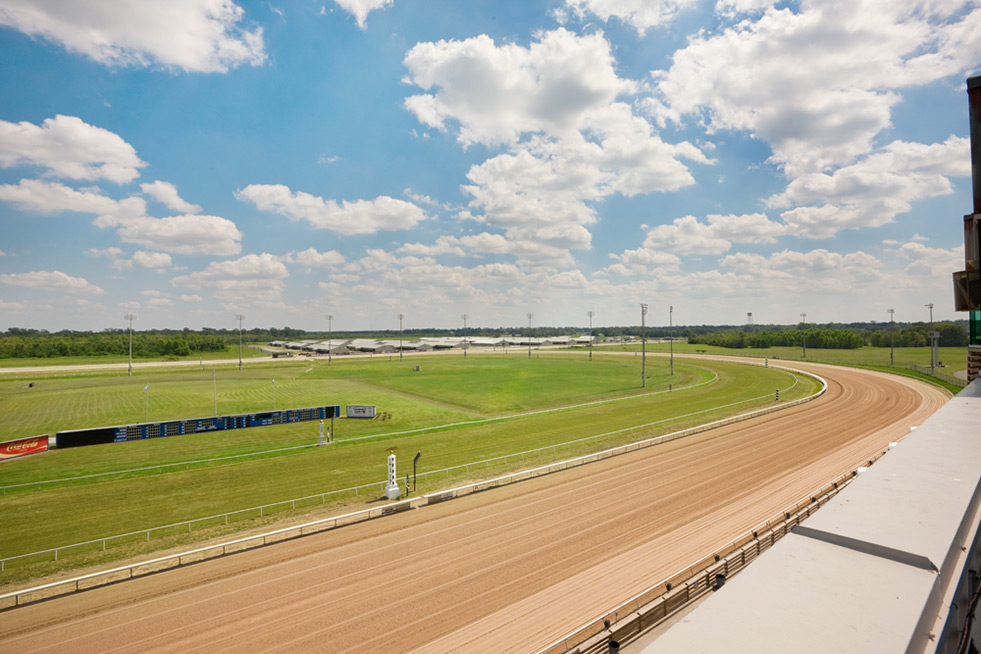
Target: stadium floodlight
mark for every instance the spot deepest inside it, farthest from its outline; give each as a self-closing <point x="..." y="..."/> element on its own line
<point x="401" y="316"/>
<point x="803" y="322"/>
<point x="239" y="317"/>
<point x="643" y="346"/>
<point x="892" y="335"/>
<point x="671" y="335"/>
<point x="464" y="316"/>
<point x="130" y="317"/>
<point x="330" y="340"/>
<point x="590" y="314"/>
<point x="529" y="335"/>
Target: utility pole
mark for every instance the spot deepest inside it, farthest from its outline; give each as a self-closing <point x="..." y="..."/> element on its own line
<point x="590" y="314"/>
<point x="803" y="320"/>
<point x="330" y="338"/>
<point x="671" y="335"/>
<point x="892" y="335"/>
<point x="240" y="318"/>
<point x="934" y="337"/>
<point x="130" y="317"/>
<point x="643" y="346"/>
<point x="400" y="335"/>
<point x="464" y="316"/>
<point x="529" y="335"/>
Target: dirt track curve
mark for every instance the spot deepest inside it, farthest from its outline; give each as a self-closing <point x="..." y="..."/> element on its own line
<point x="507" y="570"/>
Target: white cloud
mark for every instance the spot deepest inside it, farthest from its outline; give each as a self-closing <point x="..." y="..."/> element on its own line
<point x="191" y="297"/>
<point x="927" y="265"/>
<point x="188" y="234"/>
<point x="54" y="280"/>
<point x="498" y="92"/>
<point x="359" y="217"/>
<point x="254" y="278"/>
<point x="310" y="258"/>
<point x="571" y="142"/>
<point x="873" y="191"/>
<point x="361" y="8"/>
<point x="12" y="306"/>
<point x="43" y="197"/>
<point x="818" y="84"/>
<point x="166" y="193"/>
<point x="443" y="245"/>
<point x="187" y="34"/>
<point x="686" y="236"/>
<point x="155" y="260"/>
<point x="70" y="148"/>
<point x="641" y="14"/>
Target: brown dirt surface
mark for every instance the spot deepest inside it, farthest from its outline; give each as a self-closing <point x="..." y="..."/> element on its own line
<point x="506" y="570"/>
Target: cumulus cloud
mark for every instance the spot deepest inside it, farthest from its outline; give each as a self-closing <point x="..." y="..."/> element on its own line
<point x="359" y="217"/>
<point x="571" y="141"/>
<point x="185" y="34"/>
<point x="873" y="191"/>
<point x="68" y="147"/>
<point x="166" y="193"/>
<point x="640" y="14"/>
<point x="443" y="245"/>
<point x="154" y="260"/>
<point x="53" y="280"/>
<point x="361" y="8"/>
<point x="39" y="196"/>
<point x="187" y="234"/>
<point x="254" y="278"/>
<point x="310" y="258"/>
<point x="496" y="93"/>
<point x="819" y="83"/>
<point x="686" y="236"/>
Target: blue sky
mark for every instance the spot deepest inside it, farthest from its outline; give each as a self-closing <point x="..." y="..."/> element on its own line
<point x="189" y="161"/>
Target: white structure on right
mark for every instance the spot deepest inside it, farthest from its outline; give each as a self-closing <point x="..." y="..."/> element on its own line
<point x="392" y="491"/>
<point x="888" y="565"/>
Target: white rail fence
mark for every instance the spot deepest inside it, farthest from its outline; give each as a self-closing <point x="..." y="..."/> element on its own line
<point x="17" y="598"/>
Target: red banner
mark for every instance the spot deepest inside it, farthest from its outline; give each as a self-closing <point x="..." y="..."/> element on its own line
<point x="23" y="446"/>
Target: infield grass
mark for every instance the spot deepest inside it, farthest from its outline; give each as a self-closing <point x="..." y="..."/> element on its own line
<point x="454" y="411"/>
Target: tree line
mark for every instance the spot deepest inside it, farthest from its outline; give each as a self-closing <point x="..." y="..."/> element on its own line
<point x="18" y="343"/>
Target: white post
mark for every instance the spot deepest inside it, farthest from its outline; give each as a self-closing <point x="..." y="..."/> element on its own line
<point x="321" y="442"/>
<point x="392" y="490"/>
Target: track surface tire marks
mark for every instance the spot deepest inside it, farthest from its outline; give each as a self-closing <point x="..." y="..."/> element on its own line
<point x="511" y="569"/>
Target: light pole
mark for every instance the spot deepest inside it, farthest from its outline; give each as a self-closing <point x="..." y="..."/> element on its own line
<point x="274" y="392"/>
<point x="464" y="316"/>
<point x="400" y="335"/>
<point x="529" y="335"/>
<point x="240" y="318"/>
<point x="671" y="336"/>
<point x="330" y="339"/>
<point x="892" y="335"/>
<point x="803" y="320"/>
<point x="590" y="314"/>
<point x="933" y="340"/>
<point x="643" y="346"/>
<point x="130" y="317"/>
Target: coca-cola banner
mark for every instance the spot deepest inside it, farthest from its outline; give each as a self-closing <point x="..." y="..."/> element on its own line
<point x="23" y="446"/>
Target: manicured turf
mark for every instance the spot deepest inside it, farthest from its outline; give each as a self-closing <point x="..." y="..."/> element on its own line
<point x="447" y="390"/>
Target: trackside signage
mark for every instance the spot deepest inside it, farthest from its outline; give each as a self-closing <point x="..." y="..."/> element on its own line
<point x="360" y="410"/>
<point x="23" y="446"/>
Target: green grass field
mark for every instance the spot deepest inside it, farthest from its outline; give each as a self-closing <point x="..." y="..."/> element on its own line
<point x="441" y="410"/>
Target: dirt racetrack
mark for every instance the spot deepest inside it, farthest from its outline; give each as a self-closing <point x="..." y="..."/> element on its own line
<point x="507" y="570"/>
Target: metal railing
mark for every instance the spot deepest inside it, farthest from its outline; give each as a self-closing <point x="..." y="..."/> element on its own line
<point x="656" y="604"/>
<point x="943" y="376"/>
